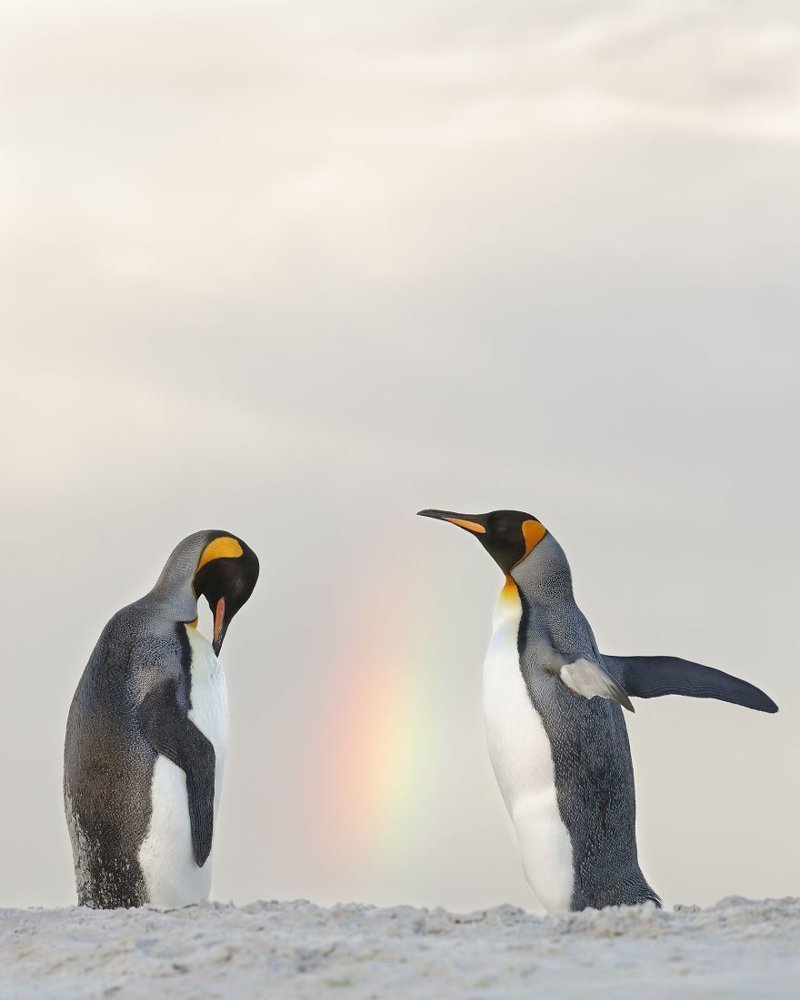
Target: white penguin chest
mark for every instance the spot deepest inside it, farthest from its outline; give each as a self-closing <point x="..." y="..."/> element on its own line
<point x="522" y="761"/>
<point x="166" y="857"/>
<point x="209" y="698"/>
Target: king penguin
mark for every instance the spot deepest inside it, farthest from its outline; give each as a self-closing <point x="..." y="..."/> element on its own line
<point x="555" y="730"/>
<point x="146" y="734"/>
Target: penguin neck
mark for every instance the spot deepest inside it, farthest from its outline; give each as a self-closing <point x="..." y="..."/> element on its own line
<point x="508" y="609"/>
<point x="179" y="604"/>
<point x="173" y="590"/>
<point x="543" y="577"/>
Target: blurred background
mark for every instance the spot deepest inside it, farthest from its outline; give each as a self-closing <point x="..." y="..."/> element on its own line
<point x="298" y="269"/>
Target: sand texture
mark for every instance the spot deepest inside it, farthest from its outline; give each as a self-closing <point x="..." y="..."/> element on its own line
<point x="738" y="948"/>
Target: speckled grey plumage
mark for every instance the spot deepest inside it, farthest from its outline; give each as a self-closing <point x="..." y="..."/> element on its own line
<point x="108" y="762"/>
<point x="589" y="740"/>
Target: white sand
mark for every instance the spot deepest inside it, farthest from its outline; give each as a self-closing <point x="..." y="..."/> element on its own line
<point x="737" y="948"/>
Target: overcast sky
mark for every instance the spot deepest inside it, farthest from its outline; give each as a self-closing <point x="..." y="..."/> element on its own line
<point x="297" y="270"/>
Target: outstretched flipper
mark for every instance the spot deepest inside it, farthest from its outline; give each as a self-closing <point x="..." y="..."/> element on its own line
<point x="590" y="680"/>
<point x="654" y="676"/>
<point x="172" y="733"/>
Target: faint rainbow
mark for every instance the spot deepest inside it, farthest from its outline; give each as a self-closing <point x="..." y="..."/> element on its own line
<point x="380" y="726"/>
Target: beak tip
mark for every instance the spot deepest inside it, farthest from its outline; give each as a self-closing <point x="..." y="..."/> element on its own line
<point x="432" y="512"/>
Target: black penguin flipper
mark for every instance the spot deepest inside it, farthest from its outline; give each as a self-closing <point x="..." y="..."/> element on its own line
<point x="654" y="676"/>
<point x="172" y="733"/>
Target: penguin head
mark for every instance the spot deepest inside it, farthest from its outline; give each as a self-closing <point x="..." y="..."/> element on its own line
<point x="507" y="535"/>
<point x="226" y="574"/>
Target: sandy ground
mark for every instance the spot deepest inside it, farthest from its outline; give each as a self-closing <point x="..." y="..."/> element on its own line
<point x="737" y="948"/>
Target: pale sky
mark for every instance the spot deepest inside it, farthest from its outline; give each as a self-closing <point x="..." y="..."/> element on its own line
<point x="297" y="270"/>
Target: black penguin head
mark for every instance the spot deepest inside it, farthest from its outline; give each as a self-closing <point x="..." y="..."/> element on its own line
<point x="226" y="574"/>
<point x="507" y="535"/>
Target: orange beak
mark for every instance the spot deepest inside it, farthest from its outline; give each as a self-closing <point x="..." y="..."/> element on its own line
<point x="219" y="625"/>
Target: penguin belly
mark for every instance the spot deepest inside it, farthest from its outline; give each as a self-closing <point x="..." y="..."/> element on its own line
<point x="522" y="761"/>
<point x="171" y="874"/>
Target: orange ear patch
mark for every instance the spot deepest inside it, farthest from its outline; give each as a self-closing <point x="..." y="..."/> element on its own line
<point x="221" y="548"/>
<point x="533" y="532"/>
<point x="473" y="526"/>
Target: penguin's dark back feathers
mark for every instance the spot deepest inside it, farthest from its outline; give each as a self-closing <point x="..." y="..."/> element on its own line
<point x="108" y="764"/>
<point x="593" y="772"/>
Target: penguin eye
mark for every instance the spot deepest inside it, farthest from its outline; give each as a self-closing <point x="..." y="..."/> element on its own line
<point x="503" y="527"/>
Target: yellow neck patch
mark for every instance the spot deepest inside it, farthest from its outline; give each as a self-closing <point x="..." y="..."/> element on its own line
<point x="510" y="591"/>
<point x="221" y="548"/>
<point x="533" y="532"/>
